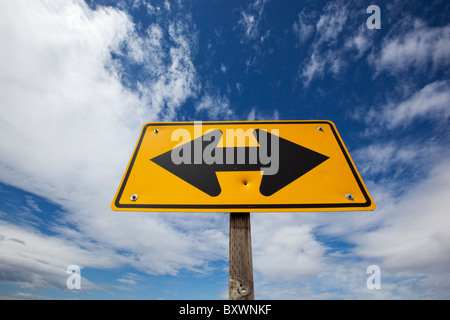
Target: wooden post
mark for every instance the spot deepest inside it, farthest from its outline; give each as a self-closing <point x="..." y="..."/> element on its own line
<point x="240" y="265"/>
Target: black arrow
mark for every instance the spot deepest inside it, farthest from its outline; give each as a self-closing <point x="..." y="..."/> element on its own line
<point x="294" y="161"/>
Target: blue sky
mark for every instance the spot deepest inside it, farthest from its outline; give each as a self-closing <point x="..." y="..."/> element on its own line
<point x="78" y="79"/>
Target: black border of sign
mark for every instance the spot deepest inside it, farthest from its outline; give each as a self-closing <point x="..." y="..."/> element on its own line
<point x="240" y="206"/>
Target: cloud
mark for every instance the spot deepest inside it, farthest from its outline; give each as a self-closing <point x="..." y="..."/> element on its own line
<point x="32" y="260"/>
<point x="313" y="68"/>
<point x="326" y="53"/>
<point x="72" y="111"/>
<point x="251" y="32"/>
<point x="407" y="237"/>
<point x="430" y="102"/>
<point x="255" y="114"/>
<point x="32" y="204"/>
<point x="223" y="68"/>
<point x="335" y="38"/>
<point x="395" y="158"/>
<point x="129" y="279"/>
<point x="360" y="41"/>
<point x="166" y="76"/>
<point x="250" y="25"/>
<point x="414" y="237"/>
<point x="408" y="178"/>
<point x="303" y="28"/>
<point x="72" y="118"/>
<point x="62" y="103"/>
<point x="414" y="46"/>
<point x="331" y="23"/>
<point x="250" y="20"/>
<point x="215" y="106"/>
<point x="285" y="252"/>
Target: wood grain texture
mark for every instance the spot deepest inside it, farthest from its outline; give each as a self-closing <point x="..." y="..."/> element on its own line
<point x="240" y="265"/>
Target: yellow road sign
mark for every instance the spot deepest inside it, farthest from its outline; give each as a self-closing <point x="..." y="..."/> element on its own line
<point x="251" y="166"/>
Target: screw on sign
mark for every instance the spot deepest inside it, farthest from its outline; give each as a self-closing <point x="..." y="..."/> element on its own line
<point x="241" y="167"/>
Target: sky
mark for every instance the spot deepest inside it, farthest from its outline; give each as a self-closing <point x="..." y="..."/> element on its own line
<point x="79" y="79"/>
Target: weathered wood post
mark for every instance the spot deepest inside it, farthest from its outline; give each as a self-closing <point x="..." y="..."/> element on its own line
<point x="240" y="265"/>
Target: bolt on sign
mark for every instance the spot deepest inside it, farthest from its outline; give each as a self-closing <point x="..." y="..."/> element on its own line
<point x="250" y="166"/>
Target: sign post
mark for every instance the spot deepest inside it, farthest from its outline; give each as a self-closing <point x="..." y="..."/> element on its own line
<point x="241" y="167"/>
<point x="240" y="265"/>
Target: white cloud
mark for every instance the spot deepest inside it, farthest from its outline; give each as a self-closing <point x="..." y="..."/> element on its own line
<point x="250" y="25"/>
<point x="216" y="107"/>
<point x="327" y="52"/>
<point x="302" y="28"/>
<point x="250" y="20"/>
<point x="331" y="23"/>
<point x="414" y="238"/>
<point x="255" y="114"/>
<point x="361" y="41"/>
<point x="429" y="102"/>
<point x="395" y="158"/>
<point x="320" y="63"/>
<point x="239" y="87"/>
<point x="167" y="5"/>
<point x="419" y="47"/>
<point x="314" y="68"/>
<point x="406" y="236"/>
<point x="129" y="279"/>
<point x="35" y="261"/>
<point x="71" y="125"/>
<point x="223" y="68"/>
<point x="60" y="104"/>
<point x="32" y="204"/>
<point x="285" y="251"/>
<point x="171" y="84"/>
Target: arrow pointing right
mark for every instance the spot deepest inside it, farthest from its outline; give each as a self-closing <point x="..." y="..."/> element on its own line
<point x="294" y="162"/>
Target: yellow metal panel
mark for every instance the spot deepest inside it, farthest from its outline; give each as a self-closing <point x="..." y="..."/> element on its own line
<point x="332" y="185"/>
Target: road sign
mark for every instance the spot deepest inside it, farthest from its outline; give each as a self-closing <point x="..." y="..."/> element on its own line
<point x="251" y="166"/>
